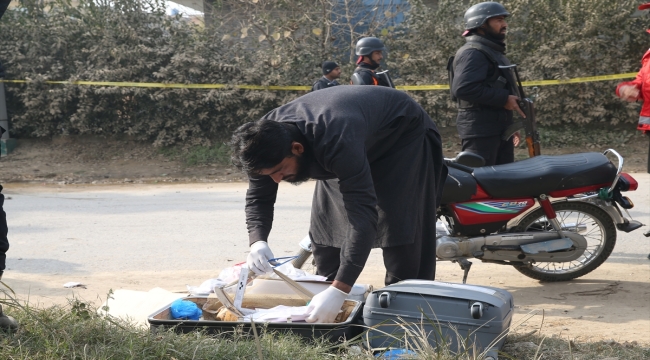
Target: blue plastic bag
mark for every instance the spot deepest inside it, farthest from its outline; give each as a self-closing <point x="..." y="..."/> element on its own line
<point x="185" y="310"/>
<point x="395" y="354"/>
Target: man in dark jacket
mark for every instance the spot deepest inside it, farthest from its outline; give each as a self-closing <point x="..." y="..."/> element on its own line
<point x="486" y="94"/>
<point x="378" y="158"/>
<point x="4" y="243"/>
<point x="3" y="6"/>
<point x="331" y="72"/>
<point x="6" y="322"/>
<point x="370" y="51"/>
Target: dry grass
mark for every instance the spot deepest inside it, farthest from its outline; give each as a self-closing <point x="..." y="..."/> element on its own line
<point x="76" y="331"/>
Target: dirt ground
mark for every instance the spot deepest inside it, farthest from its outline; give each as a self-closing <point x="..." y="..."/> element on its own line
<point x="88" y="159"/>
<point x="611" y="303"/>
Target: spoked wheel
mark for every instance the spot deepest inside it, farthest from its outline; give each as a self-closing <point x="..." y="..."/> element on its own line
<point x="587" y="220"/>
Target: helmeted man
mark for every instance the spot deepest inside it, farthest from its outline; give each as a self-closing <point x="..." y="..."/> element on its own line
<point x="377" y="157"/>
<point x="486" y="94"/>
<point x="370" y="51"/>
<point x="331" y="72"/>
<point x="639" y="89"/>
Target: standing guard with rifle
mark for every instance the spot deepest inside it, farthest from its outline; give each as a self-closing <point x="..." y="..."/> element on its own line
<point x="485" y="87"/>
<point x="370" y="51"/>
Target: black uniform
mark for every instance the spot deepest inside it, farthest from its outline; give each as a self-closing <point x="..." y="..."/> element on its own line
<point x="4" y="243"/>
<point x="378" y="157"/>
<point x="323" y="83"/>
<point x="3" y="6"/>
<point x="482" y="89"/>
<point x="368" y="76"/>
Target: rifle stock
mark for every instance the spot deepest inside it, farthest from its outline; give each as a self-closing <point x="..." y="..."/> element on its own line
<point x="530" y="127"/>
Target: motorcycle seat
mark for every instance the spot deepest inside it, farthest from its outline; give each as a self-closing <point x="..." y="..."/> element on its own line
<point x="459" y="186"/>
<point x="544" y="174"/>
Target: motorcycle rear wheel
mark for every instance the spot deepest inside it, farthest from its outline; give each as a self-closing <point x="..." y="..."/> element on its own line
<point x="600" y="234"/>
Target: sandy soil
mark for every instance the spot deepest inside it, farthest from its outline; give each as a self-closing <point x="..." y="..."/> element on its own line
<point x="88" y="159"/>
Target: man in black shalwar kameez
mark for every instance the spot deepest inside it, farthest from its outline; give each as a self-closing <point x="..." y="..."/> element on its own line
<point x="378" y="158"/>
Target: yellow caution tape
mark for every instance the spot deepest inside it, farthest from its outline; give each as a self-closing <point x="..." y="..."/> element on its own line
<point x="422" y="87"/>
<point x="534" y="82"/>
<point x="579" y="80"/>
<point x="272" y="87"/>
<point x="167" y="86"/>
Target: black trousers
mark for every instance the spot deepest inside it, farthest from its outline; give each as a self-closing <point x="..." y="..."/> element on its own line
<point x="494" y="150"/>
<point x="411" y="261"/>
<point x="4" y="243"/>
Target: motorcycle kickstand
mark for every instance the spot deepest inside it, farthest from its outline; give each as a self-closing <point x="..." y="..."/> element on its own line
<point x="465" y="265"/>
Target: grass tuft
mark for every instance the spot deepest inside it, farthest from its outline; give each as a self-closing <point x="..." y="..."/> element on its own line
<point x="199" y="155"/>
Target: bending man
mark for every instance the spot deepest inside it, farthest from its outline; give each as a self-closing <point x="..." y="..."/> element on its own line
<point x="378" y="158"/>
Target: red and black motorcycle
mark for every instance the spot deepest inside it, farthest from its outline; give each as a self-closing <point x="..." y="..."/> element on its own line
<point x="553" y="218"/>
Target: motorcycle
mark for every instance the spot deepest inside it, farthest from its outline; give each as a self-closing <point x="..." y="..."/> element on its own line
<point x="553" y="218"/>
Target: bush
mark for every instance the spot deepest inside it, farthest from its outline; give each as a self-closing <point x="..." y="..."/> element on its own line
<point x="267" y="42"/>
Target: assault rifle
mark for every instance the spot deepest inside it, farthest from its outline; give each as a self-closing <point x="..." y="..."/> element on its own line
<point x="529" y="124"/>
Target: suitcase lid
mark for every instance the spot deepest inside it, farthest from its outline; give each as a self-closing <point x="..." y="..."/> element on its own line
<point x="493" y="296"/>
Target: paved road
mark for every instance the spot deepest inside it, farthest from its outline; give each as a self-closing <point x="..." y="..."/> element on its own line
<point x="80" y="229"/>
<point x="143" y="236"/>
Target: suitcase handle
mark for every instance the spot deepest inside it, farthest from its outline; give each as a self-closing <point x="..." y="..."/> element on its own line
<point x="477" y="310"/>
<point x="384" y="299"/>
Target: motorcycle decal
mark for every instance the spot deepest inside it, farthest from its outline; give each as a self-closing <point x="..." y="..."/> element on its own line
<point x="494" y="207"/>
<point x="490" y="211"/>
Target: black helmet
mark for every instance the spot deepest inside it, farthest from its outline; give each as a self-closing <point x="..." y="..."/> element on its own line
<point x="367" y="45"/>
<point x="478" y="14"/>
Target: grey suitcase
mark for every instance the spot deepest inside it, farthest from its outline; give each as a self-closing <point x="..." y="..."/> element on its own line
<point x="466" y="317"/>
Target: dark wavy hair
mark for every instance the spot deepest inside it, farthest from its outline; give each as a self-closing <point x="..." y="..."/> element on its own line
<point x="260" y="145"/>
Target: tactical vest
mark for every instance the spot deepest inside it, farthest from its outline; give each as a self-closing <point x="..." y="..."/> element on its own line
<point x="499" y="79"/>
<point x="356" y="78"/>
<point x="378" y="79"/>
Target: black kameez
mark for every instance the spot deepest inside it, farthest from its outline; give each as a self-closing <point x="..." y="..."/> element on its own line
<point x="379" y="158"/>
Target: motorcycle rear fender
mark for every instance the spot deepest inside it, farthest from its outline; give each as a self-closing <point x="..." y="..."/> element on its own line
<point x="610" y="208"/>
<point x="516" y="220"/>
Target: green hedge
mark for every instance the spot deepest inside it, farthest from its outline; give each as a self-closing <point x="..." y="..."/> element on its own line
<point x="270" y="42"/>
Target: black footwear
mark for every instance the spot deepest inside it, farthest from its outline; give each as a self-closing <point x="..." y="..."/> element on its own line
<point x="7" y="322"/>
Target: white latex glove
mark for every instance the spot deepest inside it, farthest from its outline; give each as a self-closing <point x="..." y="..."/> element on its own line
<point x="258" y="258"/>
<point x="325" y="305"/>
